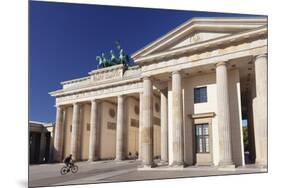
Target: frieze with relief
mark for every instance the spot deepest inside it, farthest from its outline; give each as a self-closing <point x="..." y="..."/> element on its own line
<point x="110" y="74"/>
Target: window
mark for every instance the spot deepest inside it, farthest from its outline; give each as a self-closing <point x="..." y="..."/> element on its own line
<point x="202" y="138"/>
<point x="88" y="126"/>
<point x="200" y="94"/>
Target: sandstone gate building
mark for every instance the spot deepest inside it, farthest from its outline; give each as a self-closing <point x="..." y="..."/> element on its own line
<point x="184" y="101"/>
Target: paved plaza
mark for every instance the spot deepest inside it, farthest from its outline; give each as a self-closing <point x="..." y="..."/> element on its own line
<point x="113" y="171"/>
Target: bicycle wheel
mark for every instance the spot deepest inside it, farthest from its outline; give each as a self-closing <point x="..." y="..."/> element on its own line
<point x="74" y="168"/>
<point x="64" y="170"/>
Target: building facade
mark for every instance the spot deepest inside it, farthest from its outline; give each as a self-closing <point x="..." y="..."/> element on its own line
<point x="183" y="102"/>
<point x="41" y="142"/>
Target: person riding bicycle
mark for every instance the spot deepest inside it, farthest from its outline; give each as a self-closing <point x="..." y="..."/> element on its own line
<point x="68" y="161"/>
<point x="69" y="166"/>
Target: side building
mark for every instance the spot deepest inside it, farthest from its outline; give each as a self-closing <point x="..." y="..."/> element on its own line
<point x="41" y="142"/>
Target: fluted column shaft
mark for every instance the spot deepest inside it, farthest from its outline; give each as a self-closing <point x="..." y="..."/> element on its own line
<point x="140" y="123"/>
<point x="147" y="126"/>
<point x="58" y="140"/>
<point x="177" y="111"/>
<point x="75" y="131"/>
<point x="120" y="129"/>
<point x="223" y="115"/>
<point x="260" y="110"/>
<point x="93" y="132"/>
<point x="164" y="125"/>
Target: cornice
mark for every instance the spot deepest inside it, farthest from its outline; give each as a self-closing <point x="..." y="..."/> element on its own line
<point x="75" y="80"/>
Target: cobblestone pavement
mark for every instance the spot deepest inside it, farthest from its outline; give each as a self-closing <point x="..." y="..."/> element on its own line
<point x="113" y="171"/>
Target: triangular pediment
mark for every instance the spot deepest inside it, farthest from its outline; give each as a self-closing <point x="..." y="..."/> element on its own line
<point x="199" y="30"/>
<point x="190" y="39"/>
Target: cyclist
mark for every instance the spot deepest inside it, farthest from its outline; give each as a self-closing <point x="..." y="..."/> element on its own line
<point x="68" y="161"/>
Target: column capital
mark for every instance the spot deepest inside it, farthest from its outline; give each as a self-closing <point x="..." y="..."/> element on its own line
<point x="164" y="90"/>
<point x="221" y="63"/>
<point x="122" y="96"/>
<point x="260" y="55"/>
<point x="59" y="106"/>
<point x="176" y="72"/>
<point x="76" y="104"/>
<point x="94" y="100"/>
<point x="147" y="78"/>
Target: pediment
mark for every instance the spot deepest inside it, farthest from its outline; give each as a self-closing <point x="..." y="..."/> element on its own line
<point x="199" y="30"/>
<point x="192" y="38"/>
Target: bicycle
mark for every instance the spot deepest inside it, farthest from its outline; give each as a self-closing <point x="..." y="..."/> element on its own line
<point x="65" y="169"/>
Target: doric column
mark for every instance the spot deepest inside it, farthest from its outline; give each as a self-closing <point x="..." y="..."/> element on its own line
<point x="223" y="115"/>
<point x="260" y="110"/>
<point x="93" y="144"/>
<point x="177" y="111"/>
<point x="75" y="131"/>
<point x="42" y="146"/>
<point x="120" y="129"/>
<point x="140" y="123"/>
<point x="164" y="125"/>
<point x="147" y="126"/>
<point x="58" y="140"/>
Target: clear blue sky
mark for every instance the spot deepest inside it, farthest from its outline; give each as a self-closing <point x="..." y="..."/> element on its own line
<point x="64" y="40"/>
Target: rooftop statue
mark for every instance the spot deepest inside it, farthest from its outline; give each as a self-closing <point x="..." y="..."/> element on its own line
<point x="114" y="60"/>
<point x="123" y="58"/>
<point x="100" y="63"/>
<point x="105" y="61"/>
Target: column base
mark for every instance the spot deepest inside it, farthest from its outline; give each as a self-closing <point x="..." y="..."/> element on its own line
<point x="148" y="166"/>
<point x="119" y="160"/>
<point x="92" y="160"/>
<point x="261" y="161"/>
<point x="163" y="162"/>
<point x="226" y="166"/>
<point x="177" y="164"/>
<point x="261" y="164"/>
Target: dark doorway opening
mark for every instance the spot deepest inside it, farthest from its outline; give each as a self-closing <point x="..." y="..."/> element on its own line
<point x="34" y="147"/>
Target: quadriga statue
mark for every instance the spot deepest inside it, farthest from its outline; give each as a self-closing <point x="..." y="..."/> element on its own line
<point x="122" y="59"/>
